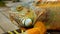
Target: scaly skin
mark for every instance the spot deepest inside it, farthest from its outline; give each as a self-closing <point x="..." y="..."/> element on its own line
<point x="39" y="28"/>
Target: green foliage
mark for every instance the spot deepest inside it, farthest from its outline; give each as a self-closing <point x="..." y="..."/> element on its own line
<point x="2" y="3"/>
<point x="15" y="0"/>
